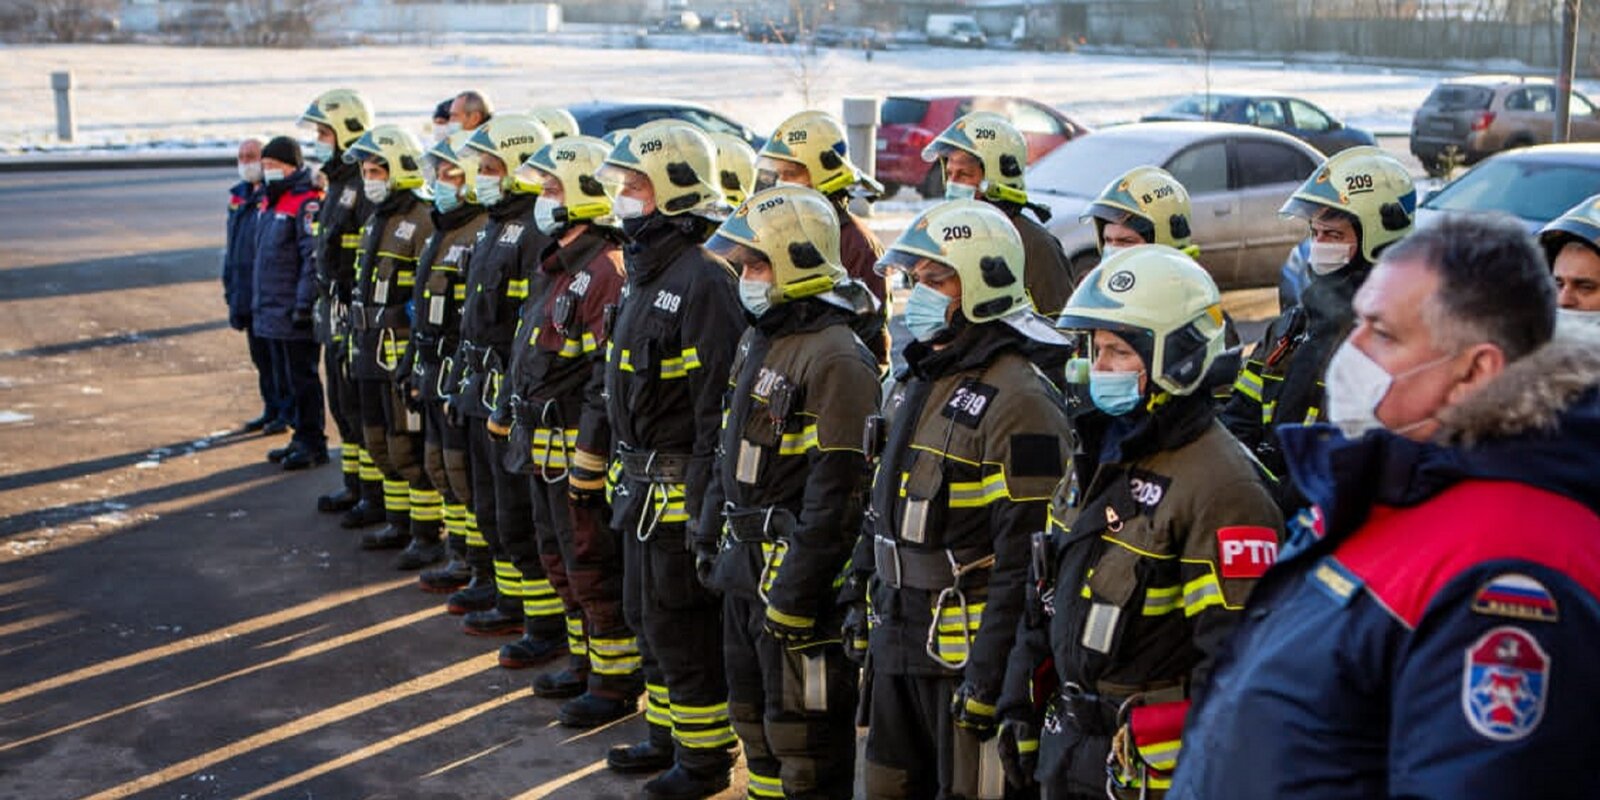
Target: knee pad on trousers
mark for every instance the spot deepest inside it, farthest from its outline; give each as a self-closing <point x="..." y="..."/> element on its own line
<point x="377" y="439"/>
<point x="433" y="467"/>
<point x="457" y="476"/>
<point x="403" y="454"/>
<point x="886" y="782"/>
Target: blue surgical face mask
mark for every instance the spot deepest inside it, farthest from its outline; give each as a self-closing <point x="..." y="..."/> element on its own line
<point x="755" y="295"/>
<point x="489" y="193"/>
<point x="1115" y="393"/>
<point x="445" y="197"/>
<point x="322" y="151"/>
<point x="925" y="312"/>
<point x="960" y="191"/>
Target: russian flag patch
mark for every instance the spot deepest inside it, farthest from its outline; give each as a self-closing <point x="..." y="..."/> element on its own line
<point x="1516" y="596"/>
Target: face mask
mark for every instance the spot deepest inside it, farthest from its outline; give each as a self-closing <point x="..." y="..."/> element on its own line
<point x="544" y="215"/>
<point x="755" y="296"/>
<point x="488" y="190"/>
<point x="1329" y="257"/>
<point x="453" y="128"/>
<point x="250" y="171"/>
<point x="959" y="191"/>
<point x="925" y="312"/>
<point x="322" y="151"/>
<point x="440" y="132"/>
<point x="272" y="175"/>
<point x="1356" y="385"/>
<point x="1572" y="318"/>
<point x="1107" y="251"/>
<point x="791" y="185"/>
<point x="376" y="191"/>
<point x="1115" y="393"/>
<point x="445" y="197"/>
<point x="625" y="207"/>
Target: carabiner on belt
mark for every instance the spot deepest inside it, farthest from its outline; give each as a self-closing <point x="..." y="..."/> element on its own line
<point x="386" y="342"/>
<point x="557" y="431"/>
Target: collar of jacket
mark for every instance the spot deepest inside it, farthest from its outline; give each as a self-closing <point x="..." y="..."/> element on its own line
<point x="458" y="216"/>
<point x="1327" y="301"/>
<point x="805" y="315"/>
<point x="975" y="346"/>
<point x="247" y="191"/>
<point x="396" y="203"/>
<point x="577" y="254"/>
<point x="514" y="206"/>
<point x="659" y="243"/>
<point x="1175" y="422"/>
<point x="297" y="182"/>
<point x="339" y="172"/>
<point x="1535" y="424"/>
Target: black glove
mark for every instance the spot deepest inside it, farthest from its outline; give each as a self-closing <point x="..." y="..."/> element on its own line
<point x="790" y="629"/>
<point x="705" y="563"/>
<point x="854" y="634"/>
<point x="300" y="319"/>
<point x="1019" y="752"/>
<point x="239" y="322"/>
<point x="969" y="712"/>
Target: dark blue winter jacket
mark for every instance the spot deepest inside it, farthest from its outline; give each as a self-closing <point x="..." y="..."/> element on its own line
<point x="1433" y="628"/>
<point x="285" y="280"/>
<point x="239" y="257"/>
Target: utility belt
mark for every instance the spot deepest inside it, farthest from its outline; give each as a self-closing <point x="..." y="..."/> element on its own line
<point x="1097" y="712"/>
<point x="654" y="466"/>
<point x="954" y="623"/>
<point x="771" y="529"/>
<point x="364" y="317"/>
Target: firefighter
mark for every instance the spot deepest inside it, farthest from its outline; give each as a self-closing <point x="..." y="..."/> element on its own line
<point x="736" y="167"/>
<point x="784" y="505"/>
<point x="983" y="156"/>
<point x="555" y="367"/>
<point x="972" y="442"/>
<point x="1357" y="204"/>
<point x="671" y="347"/>
<point x="501" y="272"/>
<point x="340" y="117"/>
<point x="558" y="121"/>
<point x="810" y="149"/>
<point x="1145" y="205"/>
<point x="436" y="308"/>
<point x="1163" y="524"/>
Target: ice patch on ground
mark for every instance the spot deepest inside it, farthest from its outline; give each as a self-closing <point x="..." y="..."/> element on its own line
<point x="8" y="416"/>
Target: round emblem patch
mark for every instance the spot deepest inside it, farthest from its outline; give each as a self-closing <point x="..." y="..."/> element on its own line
<point x="1120" y="282"/>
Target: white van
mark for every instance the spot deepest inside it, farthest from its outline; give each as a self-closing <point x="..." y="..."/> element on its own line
<point x="955" y="30"/>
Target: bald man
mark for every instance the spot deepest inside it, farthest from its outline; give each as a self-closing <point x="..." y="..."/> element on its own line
<point x="238" y="272"/>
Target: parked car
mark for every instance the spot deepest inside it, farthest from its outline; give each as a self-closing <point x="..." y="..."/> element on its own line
<point x="1238" y="177"/>
<point x="1535" y="184"/>
<point x="727" y="21"/>
<point x="601" y="117"/>
<point x="678" y="22"/>
<point x="908" y="123"/>
<point x="1474" y="118"/>
<point x="859" y="38"/>
<point x="1298" y="118"/>
<point x="769" y="32"/>
<point x="955" y="30"/>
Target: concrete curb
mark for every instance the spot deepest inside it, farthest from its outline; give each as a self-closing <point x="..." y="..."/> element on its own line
<point x="73" y="162"/>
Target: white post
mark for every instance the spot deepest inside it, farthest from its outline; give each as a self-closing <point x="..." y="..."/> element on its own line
<point x="66" y="126"/>
<point x="861" y="130"/>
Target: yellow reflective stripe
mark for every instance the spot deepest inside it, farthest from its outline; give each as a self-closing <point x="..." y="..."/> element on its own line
<point x="590" y="344"/>
<point x="550" y="448"/>
<point x="1249" y="381"/>
<point x="1027" y="745"/>
<point x="669" y="503"/>
<point x="1159" y="600"/>
<point x="763" y="785"/>
<point x="712" y="739"/>
<point x="474" y="536"/>
<point x="394" y="350"/>
<point x="1162" y="755"/>
<point x="460" y="292"/>
<point x="689" y="715"/>
<point x="350" y="241"/>
<point x="952" y="620"/>
<point x="976" y="494"/>
<point x="791" y="620"/>
<point x="397" y="256"/>
<point x="517" y="289"/>
<point x="615" y="656"/>
<point x="571" y="348"/>
<point x="1201" y="593"/>
<point x="799" y="442"/>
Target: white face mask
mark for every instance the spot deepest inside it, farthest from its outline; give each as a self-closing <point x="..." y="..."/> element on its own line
<point x="544" y="215"/>
<point x="441" y="132"/>
<point x="488" y="188"/>
<point x="755" y="295"/>
<point x="1356" y="385"/>
<point x="1575" y="318"/>
<point x="959" y="191"/>
<point x="272" y="175"/>
<point x="250" y="171"/>
<point x="1329" y="257"/>
<point x="376" y="191"/>
<point x="453" y="128"/>
<point x="1107" y="251"/>
<point x="626" y="207"/>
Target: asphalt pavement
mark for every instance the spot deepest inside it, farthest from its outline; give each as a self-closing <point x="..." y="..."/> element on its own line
<point x="176" y="621"/>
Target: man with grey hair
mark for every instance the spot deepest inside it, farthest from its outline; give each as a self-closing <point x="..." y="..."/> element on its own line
<point x="469" y="110"/>
<point x="238" y="262"/>
<point x="1429" y="629"/>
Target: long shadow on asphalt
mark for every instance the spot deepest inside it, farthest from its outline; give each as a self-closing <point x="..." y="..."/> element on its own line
<point x="138" y="271"/>
<point x="79" y="469"/>
<point x="113" y="340"/>
<point x="74" y="512"/>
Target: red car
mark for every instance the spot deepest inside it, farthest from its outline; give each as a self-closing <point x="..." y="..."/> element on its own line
<point x="908" y="124"/>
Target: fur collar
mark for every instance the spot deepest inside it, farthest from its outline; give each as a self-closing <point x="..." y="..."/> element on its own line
<point x="1531" y="394"/>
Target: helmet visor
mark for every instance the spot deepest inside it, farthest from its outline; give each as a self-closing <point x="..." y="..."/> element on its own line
<point x="941" y="149"/>
<point x="1303" y="208"/>
<point x="735" y="252"/>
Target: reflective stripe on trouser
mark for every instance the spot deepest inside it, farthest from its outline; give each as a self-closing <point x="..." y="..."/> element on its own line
<point x="427" y="515"/>
<point x="455" y="529"/>
<point x="577" y="643"/>
<point x="794" y="710"/>
<point x="658" y="707"/>
<point x="481" y="516"/>
<point x="350" y="458"/>
<point x="682" y="632"/>
<point x="366" y="469"/>
<point x="513" y="525"/>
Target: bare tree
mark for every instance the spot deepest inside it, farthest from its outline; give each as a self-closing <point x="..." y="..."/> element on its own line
<point x="283" y="23"/>
<point x="799" y="58"/>
<point x="77" y="20"/>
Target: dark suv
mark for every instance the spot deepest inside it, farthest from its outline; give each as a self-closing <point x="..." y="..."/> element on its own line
<point x="1473" y="118"/>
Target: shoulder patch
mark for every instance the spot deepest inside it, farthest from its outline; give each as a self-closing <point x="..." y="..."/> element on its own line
<point x="1246" y="551"/>
<point x="309" y="216"/>
<point x="405" y="230"/>
<point x="1334" y="580"/>
<point x="1516" y="596"/>
<point x="511" y="233"/>
<point x="969" y="402"/>
<point x="1504" y="683"/>
<point x="1035" y="455"/>
<point x="347" y="198"/>
<point x="1148" y="488"/>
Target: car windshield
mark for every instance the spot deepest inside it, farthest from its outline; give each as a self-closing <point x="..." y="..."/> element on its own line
<point x="902" y="111"/>
<point x="1533" y="190"/>
<point x="1085" y="165"/>
<point x="1457" y="97"/>
<point x="1200" y="105"/>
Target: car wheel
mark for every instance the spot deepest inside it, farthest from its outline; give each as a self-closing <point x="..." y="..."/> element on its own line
<point x="1434" y="167"/>
<point x="933" y="184"/>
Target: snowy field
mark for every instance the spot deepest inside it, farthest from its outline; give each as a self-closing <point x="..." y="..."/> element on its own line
<point x="138" y="96"/>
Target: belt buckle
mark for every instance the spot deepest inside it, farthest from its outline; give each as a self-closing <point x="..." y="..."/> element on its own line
<point x="893" y="548"/>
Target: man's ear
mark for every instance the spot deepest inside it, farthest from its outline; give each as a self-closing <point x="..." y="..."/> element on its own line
<point x="1482" y="363"/>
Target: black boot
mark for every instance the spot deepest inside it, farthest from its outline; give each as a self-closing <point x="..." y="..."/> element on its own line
<point x="277" y="454"/>
<point x="342" y="499"/>
<point x="386" y="538"/>
<point x="448" y="578"/>
<point x="504" y="619"/>
<point x="679" y="783"/>
<point x="305" y="457"/>
<point x="275" y="428"/>
<point x="650" y="755"/>
<point x="589" y="710"/>
<point x="559" y="684"/>
<point x="419" y="554"/>
<point x="478" y="595"/>
<point x="251" y="426"/>
<point x="531" y="650"/>
<point x="362" y="514"/>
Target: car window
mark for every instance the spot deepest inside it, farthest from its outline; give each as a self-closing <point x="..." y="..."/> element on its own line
<point x="1263" y="163"/>
<point x="1308" y="118"/>
<point x="1581" y="105"/>
<point x="1541" y="99"/>
<point x="1202" y="168"/>
<point x="635" y="118"/>
<point x="902" y="111"/>
<point x="1031" y="119"/>
<point x="713" y="123"/>
<point x="1456" y="97"/>
<point x="1268" y="113"/>
<point x="1541" y="192"/>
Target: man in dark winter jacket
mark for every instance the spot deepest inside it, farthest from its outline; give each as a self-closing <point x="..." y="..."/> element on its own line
<point x="1429" y="631"/>
<point x="238" y="277"/>
<point x="285" y="289"/>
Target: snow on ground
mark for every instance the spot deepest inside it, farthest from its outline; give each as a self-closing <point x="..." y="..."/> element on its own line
<point x="160" y="97"/>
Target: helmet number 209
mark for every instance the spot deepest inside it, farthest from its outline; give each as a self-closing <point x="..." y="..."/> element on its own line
<point x="1357" y="183"/>
<point x="954" y="232"/>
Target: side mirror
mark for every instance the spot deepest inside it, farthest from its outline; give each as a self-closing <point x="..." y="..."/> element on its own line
<point x="1335" y="125"/>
